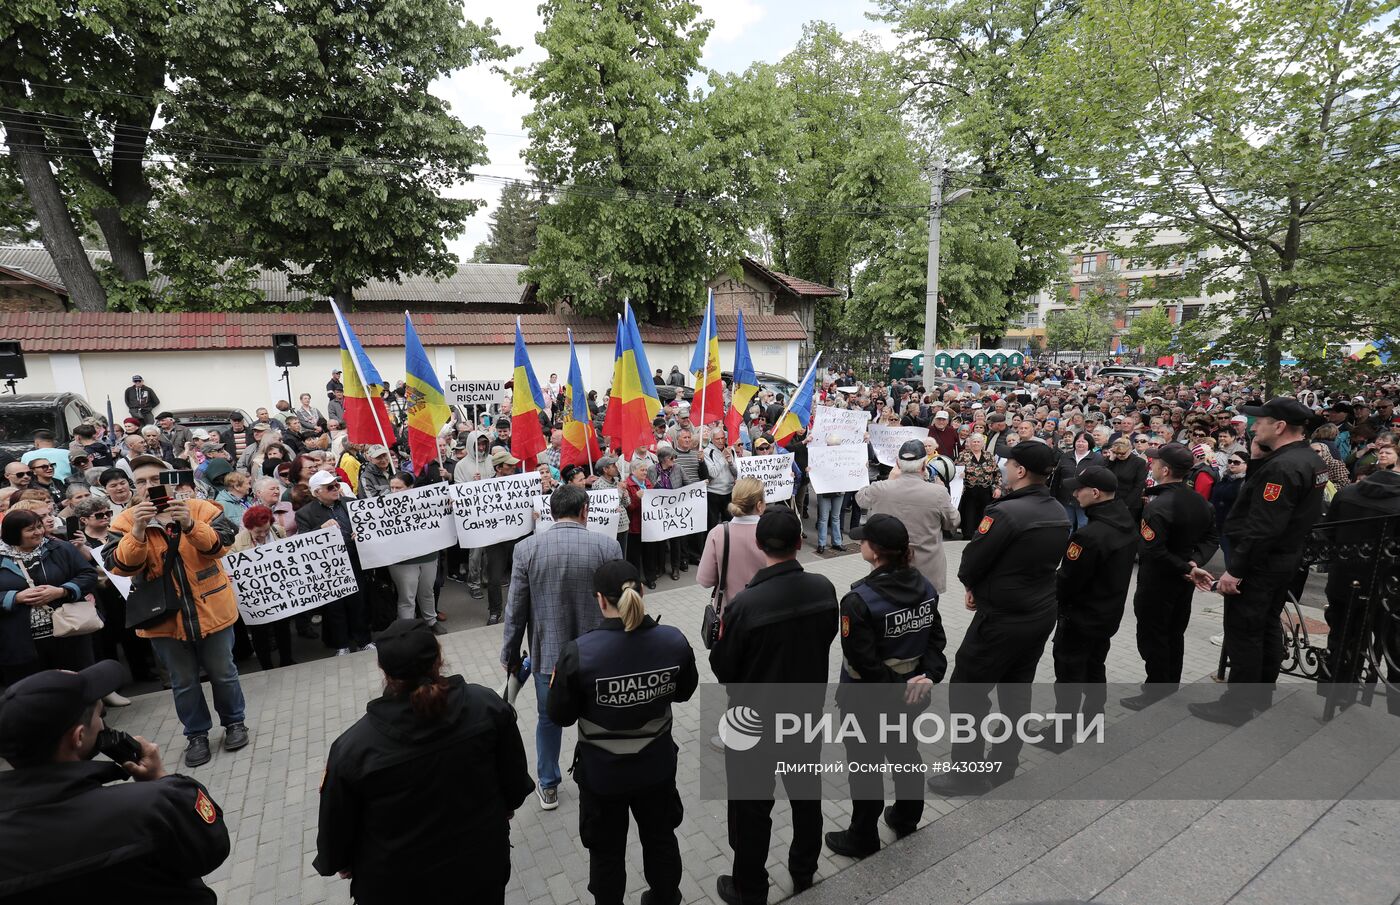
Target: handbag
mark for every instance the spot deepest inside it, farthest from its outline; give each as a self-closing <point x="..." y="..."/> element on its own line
<point x="714" y="610"/>
<point x="69" y="620"/>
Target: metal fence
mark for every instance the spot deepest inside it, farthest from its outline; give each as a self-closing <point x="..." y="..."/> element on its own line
<point x="1354" y="567"/>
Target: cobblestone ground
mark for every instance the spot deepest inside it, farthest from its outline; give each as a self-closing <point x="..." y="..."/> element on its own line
<point x="269" y="790"/>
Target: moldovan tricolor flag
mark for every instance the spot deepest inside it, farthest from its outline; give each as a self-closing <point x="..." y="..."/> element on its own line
<point x="580" y="443"/>
<point x="745" y="383"/>
<point x="799" y="413"/>
<point x="708" y="404"/>
<point x="612" y="418"/>
<point x="427" y="406"/>
<point x="366" y="415"/>
<point x="634" y="390"/>
<point x="526" y="403"/>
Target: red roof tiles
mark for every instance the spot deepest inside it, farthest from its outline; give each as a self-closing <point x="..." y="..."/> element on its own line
<point x="121" y="332"/>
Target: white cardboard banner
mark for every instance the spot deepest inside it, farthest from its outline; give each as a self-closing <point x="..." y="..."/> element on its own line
<point x="399" y="526"/>
<point x="775" y="472"/>
<point x="673" y="513"/>
<point x="279" y="579"/>
<point x="604" y="512"/>
<point x="838" y="469"/>
<point x="887" y="440"/>
<point x="475" y="392"/>
<point x="494" y="510"/>
<point x="849" y="424"/>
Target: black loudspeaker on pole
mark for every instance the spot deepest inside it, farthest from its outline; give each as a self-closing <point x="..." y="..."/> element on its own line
<point x="284" y="350"/>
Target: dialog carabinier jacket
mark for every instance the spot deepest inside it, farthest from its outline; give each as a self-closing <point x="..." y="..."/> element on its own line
<point x="890" y="628"/>
<point x="1178" y="528"/>
<point x="619" y="686"/>
<point x="1092" y="584"/>
<point x="1009" y="565"/>
<point x="415" y="807"/>
<point x="1279" y="503"/>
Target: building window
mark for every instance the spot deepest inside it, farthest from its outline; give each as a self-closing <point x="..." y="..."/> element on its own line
<point x="1131" y="315"/>
<point x="1032" y="319"/>
<point x="1089" y="264"/>
<point x="1190" y="312"/>
<point x="1134" y="288"/>
<point x="1115" y="262"/>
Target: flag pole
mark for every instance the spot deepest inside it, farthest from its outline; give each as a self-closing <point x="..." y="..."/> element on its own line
<point x="359" y="372"/>
<point x="810" y="370"/>
<point x="588" y="425"/>
<point x="705" y="370"/>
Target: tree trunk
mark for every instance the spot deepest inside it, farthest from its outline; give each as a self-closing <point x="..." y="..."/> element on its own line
<point x="344" y="298"/>
<point x="60" y="236"/>
<point x="123" y="243"/>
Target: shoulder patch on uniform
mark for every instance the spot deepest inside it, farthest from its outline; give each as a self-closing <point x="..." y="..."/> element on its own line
<point x="845" y="626"/>
<point x="1322" y="479"/>
<point x="1272" y="491"/>
<point x="1147" y="533"/>
<point x="205" y="808"/>
<point x="986" y="524"/>
<point x="1073" y="552"/>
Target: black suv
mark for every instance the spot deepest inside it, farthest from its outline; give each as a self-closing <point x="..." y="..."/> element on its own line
<point x="23" y="414"/>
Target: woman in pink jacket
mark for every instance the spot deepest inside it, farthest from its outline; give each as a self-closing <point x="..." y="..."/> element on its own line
<point x="745" y="558"/>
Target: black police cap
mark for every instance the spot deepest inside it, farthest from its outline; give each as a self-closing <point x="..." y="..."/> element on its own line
<point x="37" y="710"/>
<point x="1281" y="408"/>
<point x="1096" y="477"/>
<point x="1177" y="455"/>
<point x="882" y="530"/>
<point x="407" y="649"/>
<point x="1033" y="456"/>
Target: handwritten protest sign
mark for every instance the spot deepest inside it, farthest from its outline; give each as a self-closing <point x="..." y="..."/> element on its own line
<point x="837" y="469"/>
<point x="399" y="526"/>
<point x="497" y="509"/>
<point x="887" y="440"/>
<point x="673" y="513"/>
<point x="475" y="392"/>
<point x="774" y="471"/>
<point x="286" y="577"/>
<point x="604" y="512"/>
<point x="848" y="424"/>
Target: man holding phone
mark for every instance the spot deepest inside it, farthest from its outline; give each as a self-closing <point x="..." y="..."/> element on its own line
<point x="181" y="598"/>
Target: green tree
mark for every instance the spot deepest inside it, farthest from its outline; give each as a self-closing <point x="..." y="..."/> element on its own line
<point x="653" y="181"/>
<point x="1152" y="331"/>
<point x="971" y="66"/>
<point x="1266" y="132"/>
<point x="78" y="86"/>
<point x="332" y="154"/>
<point x="513" y="226"/>
<point x="1084" y="326"/>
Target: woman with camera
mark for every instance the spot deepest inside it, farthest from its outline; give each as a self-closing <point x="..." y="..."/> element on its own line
<point x="38" y="576"/>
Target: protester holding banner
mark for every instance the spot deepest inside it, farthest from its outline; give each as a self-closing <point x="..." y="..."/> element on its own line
<point x="670" y="476"/>
<point x="609" y="478"/>
<point x="829" y="512"/>
<point x="644" y="555"/>
<point x="344" y="622"/>
<point x="744" y="555"/>
<point x="496" y="558"/>
<point x="173" y="554"/>
<point x="414" y="578"/>
<point x="259" y="527"/>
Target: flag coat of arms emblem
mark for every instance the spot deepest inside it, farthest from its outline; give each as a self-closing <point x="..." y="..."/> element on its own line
<point x="986" y="524"/>
<point x="1073" y="552"/>
<point x="1272" y="491"/>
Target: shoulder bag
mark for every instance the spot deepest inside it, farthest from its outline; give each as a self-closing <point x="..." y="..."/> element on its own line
<point x="709" y="626"/>
<point x="79" y="617"/>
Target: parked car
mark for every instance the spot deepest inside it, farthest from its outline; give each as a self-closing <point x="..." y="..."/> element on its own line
<point x="1128" y="372"/>
<point x="23" y="414"/>
<point x="208" y="417"/>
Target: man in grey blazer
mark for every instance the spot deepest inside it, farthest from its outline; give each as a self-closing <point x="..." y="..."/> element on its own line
<point x="551" y="593"/>
<point x="923" y="506"/>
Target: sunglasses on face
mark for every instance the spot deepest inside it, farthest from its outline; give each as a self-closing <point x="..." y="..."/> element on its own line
<point x="106" y="513"/>
<point x="43" y="467"/>
<point x="20" y="474"/>
<point x="1237" y="461"/>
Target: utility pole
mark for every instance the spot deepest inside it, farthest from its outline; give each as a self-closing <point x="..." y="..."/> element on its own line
<point x="935" y="217"/>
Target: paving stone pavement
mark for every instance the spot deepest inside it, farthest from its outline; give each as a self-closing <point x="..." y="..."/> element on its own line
<point x="269" y="790"/>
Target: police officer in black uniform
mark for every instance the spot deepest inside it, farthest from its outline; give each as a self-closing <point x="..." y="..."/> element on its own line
<point x="618" y="683"/>
<point x="1092" y="589"/>
<point x="1008" y="569"/>
<point x="891" y="636"/>
<point x="1280" y="502"/>
<point x="72" y="830"/>
<point x="1178" y="536"/>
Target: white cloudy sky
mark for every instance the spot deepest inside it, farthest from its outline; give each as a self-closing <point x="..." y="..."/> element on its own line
<point x="745" y="31"/>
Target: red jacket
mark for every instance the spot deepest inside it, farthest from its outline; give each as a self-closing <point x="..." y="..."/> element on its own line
<point x="634" y="504"/>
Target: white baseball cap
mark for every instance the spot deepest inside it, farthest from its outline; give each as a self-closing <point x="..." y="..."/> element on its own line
<point x="941" y="415"/>
<point x="323" y="479"/>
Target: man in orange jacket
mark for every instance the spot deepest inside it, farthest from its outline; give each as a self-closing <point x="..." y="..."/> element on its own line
<point x="182" y="599"/>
